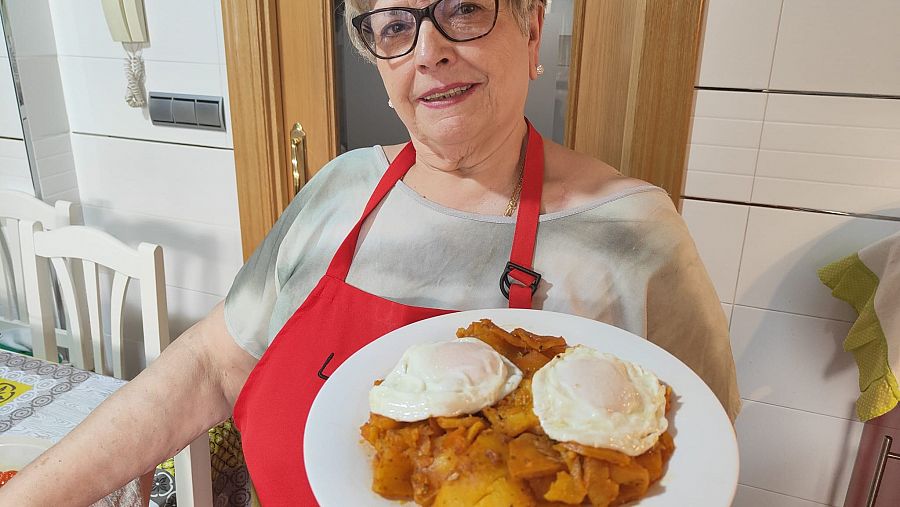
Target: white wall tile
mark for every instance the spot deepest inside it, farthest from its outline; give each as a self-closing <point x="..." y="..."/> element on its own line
<point x="722" y="159"/>
<point x="198" y="257"/>
<point x="718" y="230"/>
<point x="737" y="27"/>
<point x="830" y="110"/>
<point x="58" y="183"/>
<point x="53" y="145"/>
<point x="832" y="140"/>
<point x="4" y="51"/>
<point x="42" y="91"/>
<point x="31" y="27"/>
<point x="187" y="307"/>
<point x="726" y="132"/>
<point x="727" y="308"/>
<point x="838" y="46"/>
<point x="95" y="97"/>
<point x="10" y="122"/>
<point x="827" y="196"/>
<point x="179" y="31"/>
<point x="817" y="167"/>
<point x="838" y="153"/>
<point x="55" y="164"/>
<point x="12" y="149"/>
<point x="796" y="453"/>
<point x="754" y="497"/>
<point x="730" y="104"/>
<point x="220" y="30"/>
<point x="714" y="185"/>
<point x="769" y="348"/>
<point x="783" y="249"/>
<point x="724" y="142"/>
<point x="69" y="195"/>
<point x="17" y="183"/>
<point x="14" y="171"/>
<point x="166" y="180"/>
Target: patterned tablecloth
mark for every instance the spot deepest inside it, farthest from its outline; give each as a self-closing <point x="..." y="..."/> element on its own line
<point x="45" y="400"/>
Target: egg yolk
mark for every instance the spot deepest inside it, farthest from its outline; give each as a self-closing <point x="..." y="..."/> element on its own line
<point x="602" y="385"/>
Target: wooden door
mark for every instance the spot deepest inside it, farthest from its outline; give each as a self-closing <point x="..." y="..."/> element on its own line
<point x="279" y="55"/>
<point x="633" y="69"/>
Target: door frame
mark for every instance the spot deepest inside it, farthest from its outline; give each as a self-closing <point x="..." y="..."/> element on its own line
<point x="630" y="98"/>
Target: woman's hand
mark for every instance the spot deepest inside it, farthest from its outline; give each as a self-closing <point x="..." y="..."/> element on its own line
<point x="190" y="388"/>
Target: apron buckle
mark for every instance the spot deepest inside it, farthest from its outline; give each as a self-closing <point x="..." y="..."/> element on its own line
<point x="521" y="275"/>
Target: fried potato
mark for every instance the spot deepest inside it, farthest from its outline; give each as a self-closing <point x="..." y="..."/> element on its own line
<point x="601" y="489"/>
<point x="532" y="456"/>
<point x="633" y="481"/>
<point x="566" y="489"/>
<point x="501" y="457"/>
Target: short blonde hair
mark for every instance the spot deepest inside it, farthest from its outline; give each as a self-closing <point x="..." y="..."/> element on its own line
<point x="521" y="10"/>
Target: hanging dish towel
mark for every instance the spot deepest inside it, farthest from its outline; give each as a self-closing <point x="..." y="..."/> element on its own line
<point x="869" y="280"/>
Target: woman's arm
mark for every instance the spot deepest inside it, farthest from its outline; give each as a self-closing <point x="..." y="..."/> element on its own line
<point x="191" y="387"/>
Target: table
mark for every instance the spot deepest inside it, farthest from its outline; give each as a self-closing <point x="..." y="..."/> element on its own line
<point x="47" y="400"/>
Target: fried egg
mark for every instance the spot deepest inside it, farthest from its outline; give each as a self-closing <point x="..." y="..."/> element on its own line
<point x="444" y="379"/>
<point x="599" y="400"/>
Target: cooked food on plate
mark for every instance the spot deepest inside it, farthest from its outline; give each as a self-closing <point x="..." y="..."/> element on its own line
<point x="514" y="418"/>
<point x="5" y="476"/>
<point x="444" y="379"/>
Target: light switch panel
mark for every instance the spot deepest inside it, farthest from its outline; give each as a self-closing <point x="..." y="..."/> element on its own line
<point x="161" y="110"/>
<point x="183" y="111"/>
<point x="208" y="113"/>
<point x="190" y="111"/>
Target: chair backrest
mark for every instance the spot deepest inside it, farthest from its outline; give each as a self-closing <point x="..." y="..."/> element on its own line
<point x="15" y="207"/>
<point x="92" y="248"/>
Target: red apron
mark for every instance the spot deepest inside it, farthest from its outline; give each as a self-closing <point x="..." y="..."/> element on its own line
<point x="272" y="408"/>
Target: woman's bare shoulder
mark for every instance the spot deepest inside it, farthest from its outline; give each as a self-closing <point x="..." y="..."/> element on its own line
<point x="573" y="179"/>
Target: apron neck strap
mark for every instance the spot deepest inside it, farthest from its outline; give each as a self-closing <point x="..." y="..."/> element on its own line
<point x="340" y="264"/>
<point x="519" y="267"/>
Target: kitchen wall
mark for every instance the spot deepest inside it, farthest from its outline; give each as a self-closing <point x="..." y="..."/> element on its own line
<point x="797" y="106"/>
<point x="14" y="172"/>
<point x="140" y="182"/>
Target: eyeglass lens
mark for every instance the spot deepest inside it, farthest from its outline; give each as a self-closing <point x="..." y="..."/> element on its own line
<point x="393" y="32"/>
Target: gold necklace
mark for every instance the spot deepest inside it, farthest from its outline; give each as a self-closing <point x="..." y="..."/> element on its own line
<point x="514" y="200"/>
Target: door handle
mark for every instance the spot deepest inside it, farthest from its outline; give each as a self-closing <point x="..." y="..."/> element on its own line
<point x="298" y="156"/>
<point x="883" y="456"/>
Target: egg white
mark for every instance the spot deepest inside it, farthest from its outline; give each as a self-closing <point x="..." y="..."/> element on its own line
<point x="599" y="400"/>
<point x="445" y="379"/>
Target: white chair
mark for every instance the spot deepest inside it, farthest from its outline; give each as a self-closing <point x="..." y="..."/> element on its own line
<point x="15" y="207"/>
<point x="94" y="248"/>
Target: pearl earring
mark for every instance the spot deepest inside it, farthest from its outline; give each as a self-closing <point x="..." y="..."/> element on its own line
<point x="539" y="69"/>
<point x="390" y="104"/>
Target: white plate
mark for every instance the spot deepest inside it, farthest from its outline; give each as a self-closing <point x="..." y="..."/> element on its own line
<point x="16" y="452"/>
<point x="702" y="472"/>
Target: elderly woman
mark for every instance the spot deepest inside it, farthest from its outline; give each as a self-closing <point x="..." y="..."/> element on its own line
<point x="477" y="211"/>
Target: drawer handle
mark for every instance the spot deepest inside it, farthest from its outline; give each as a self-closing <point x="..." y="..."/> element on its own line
<point x="883" y="456"/>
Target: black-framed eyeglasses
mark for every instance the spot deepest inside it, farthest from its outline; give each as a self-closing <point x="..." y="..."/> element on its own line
<point x="392" y="32"/>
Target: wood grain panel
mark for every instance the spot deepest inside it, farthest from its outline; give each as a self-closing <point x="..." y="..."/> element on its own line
<point x="254" y="84"/>
<point x="307" y="62"/>
<point x="633" y="86"/>
<point x="280" y="71"/>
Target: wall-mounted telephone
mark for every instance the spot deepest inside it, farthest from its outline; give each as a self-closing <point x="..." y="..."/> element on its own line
<point x="126" y="20"/>
<point x="128" y="25"/>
